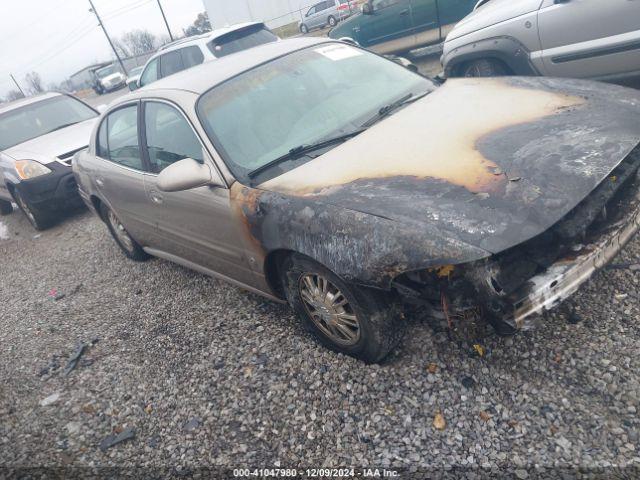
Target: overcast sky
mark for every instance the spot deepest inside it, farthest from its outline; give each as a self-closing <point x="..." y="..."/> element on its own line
<point x="59" y="37"/>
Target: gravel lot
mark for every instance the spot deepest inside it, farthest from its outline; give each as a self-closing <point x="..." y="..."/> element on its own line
<point x="211" y="376"/>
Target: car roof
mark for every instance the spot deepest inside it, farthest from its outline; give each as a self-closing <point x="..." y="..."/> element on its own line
<point x="204" y="38"/>
<point x="201" y="78"/>
<point x="6" y="107"/>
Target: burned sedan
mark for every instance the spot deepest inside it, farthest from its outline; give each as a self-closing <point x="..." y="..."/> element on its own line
<point x="320" y="174"/>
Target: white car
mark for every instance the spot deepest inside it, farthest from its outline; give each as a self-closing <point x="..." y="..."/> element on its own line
<point x="38" y="138"/>
<point x="192" y="51"/>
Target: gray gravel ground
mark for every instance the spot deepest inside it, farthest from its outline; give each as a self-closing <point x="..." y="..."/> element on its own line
<point x="209" y="375"/>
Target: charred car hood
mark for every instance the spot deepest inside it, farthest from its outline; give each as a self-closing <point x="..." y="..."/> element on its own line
<point x="489" y="163"/>
<point x="47" y="148"/>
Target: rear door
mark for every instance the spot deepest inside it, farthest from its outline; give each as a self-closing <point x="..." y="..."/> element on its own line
<point x="120" y="173"/>
<point x="389" y="27"/>
<point x="590" y="38"/>
<point x="197" y="224"/>
<point x="450" y="12"/>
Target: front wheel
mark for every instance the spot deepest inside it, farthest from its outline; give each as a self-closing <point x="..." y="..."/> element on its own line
<point x="304" y="29"/>
<point x="332" y="21"/>
<point x="484" y="67"/>
<point x="5" y="207"/>
<point x="38" y="219"/>
<point x="355" y="321"/>
<point x="127" y="244"/>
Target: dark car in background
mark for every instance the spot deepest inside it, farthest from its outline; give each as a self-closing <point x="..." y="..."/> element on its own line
<point x="390" y="26"/>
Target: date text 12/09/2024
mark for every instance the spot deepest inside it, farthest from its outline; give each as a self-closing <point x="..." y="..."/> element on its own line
<point x="314" y="473"/>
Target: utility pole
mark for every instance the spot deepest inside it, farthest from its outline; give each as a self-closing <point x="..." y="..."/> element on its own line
<point x="93" y="9"/>
<point x="17" y="84"/>
<point x="165" y="20"/>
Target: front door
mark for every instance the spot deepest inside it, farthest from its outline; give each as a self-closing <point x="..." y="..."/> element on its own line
<point x="194" y="225"/>
<point x="604" y="37"/>
<point x="388" y="28"/>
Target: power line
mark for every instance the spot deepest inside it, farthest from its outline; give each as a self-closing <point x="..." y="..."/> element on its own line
<point x="93" y="9"/>
<point x="125" y="9"/>
<point x="79" y="32"/>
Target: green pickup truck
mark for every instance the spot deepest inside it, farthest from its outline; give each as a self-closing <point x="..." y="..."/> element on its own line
<point x="391" y="26"/>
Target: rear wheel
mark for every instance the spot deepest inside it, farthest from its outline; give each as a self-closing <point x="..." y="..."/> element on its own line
<point x="332" y="21"/>
<point x="39" y="220"/>
<point x="484" y="67"/>
<point x="5" y="207"/>
<point x="127" y="244"/>
<point x="304" y="29"/>
<point x="355" y="321"/>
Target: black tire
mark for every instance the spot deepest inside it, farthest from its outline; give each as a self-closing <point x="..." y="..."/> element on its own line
<point x="39" y="220"/>
<point x="380" y="327"/>
<point x="127" y="244"/>
<point x="484" y="67"/>
<point x="331" y="21"/>
<point x="304" y="29"/>
<point x="5" y="207"/>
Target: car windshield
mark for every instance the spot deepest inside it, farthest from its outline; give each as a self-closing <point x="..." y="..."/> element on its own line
<point x="31" y="121"/>
<point x="300" y="99"/>
<point x="106" y="71"/>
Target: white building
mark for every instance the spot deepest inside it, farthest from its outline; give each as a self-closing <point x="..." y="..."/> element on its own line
<point x="275" y="13"/>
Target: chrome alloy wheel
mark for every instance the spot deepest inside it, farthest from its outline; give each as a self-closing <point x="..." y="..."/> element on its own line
<point x="329" y="309"/>
<point x="121" y="233"/>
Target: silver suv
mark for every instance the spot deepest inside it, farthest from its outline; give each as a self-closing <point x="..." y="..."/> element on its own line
<point x="328" y="12"/>
<point x="562" y="38"/>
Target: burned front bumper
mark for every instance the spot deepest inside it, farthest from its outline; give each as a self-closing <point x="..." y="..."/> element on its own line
<point x="563" y="278"/>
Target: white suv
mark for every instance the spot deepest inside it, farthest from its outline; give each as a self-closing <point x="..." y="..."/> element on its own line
<point x="192" y="51"/>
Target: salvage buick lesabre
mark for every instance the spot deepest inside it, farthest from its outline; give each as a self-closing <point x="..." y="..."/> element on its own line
<point x="323" y="175"/>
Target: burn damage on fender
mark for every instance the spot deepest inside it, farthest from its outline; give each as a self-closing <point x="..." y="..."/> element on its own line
<point x="511" y="184"/>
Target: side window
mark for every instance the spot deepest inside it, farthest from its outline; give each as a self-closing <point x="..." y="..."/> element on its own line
<point x="170" y="63"/>
<point x="192" y="56"/>
<point x="170" y="137"/>
<point x="321" y="6"/>
<point x="102" y="148"/>
<point x="311" y="11"/>
<point x="122" y="137"/>
<point x="150" y="73"/>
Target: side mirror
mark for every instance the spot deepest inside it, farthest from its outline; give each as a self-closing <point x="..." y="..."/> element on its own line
<point x="184" y="175"/>
<point x="101" y="108"/>
<point x="133" y="86"/>
<point x="367" y="9"/>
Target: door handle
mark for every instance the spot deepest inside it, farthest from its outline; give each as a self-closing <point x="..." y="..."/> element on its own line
<point x="100" y="182"/>
<point x="404" y="12"/>
<point x="156" y="197"/>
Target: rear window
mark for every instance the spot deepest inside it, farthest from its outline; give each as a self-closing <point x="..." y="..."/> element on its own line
<point x="241" y="40"/>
